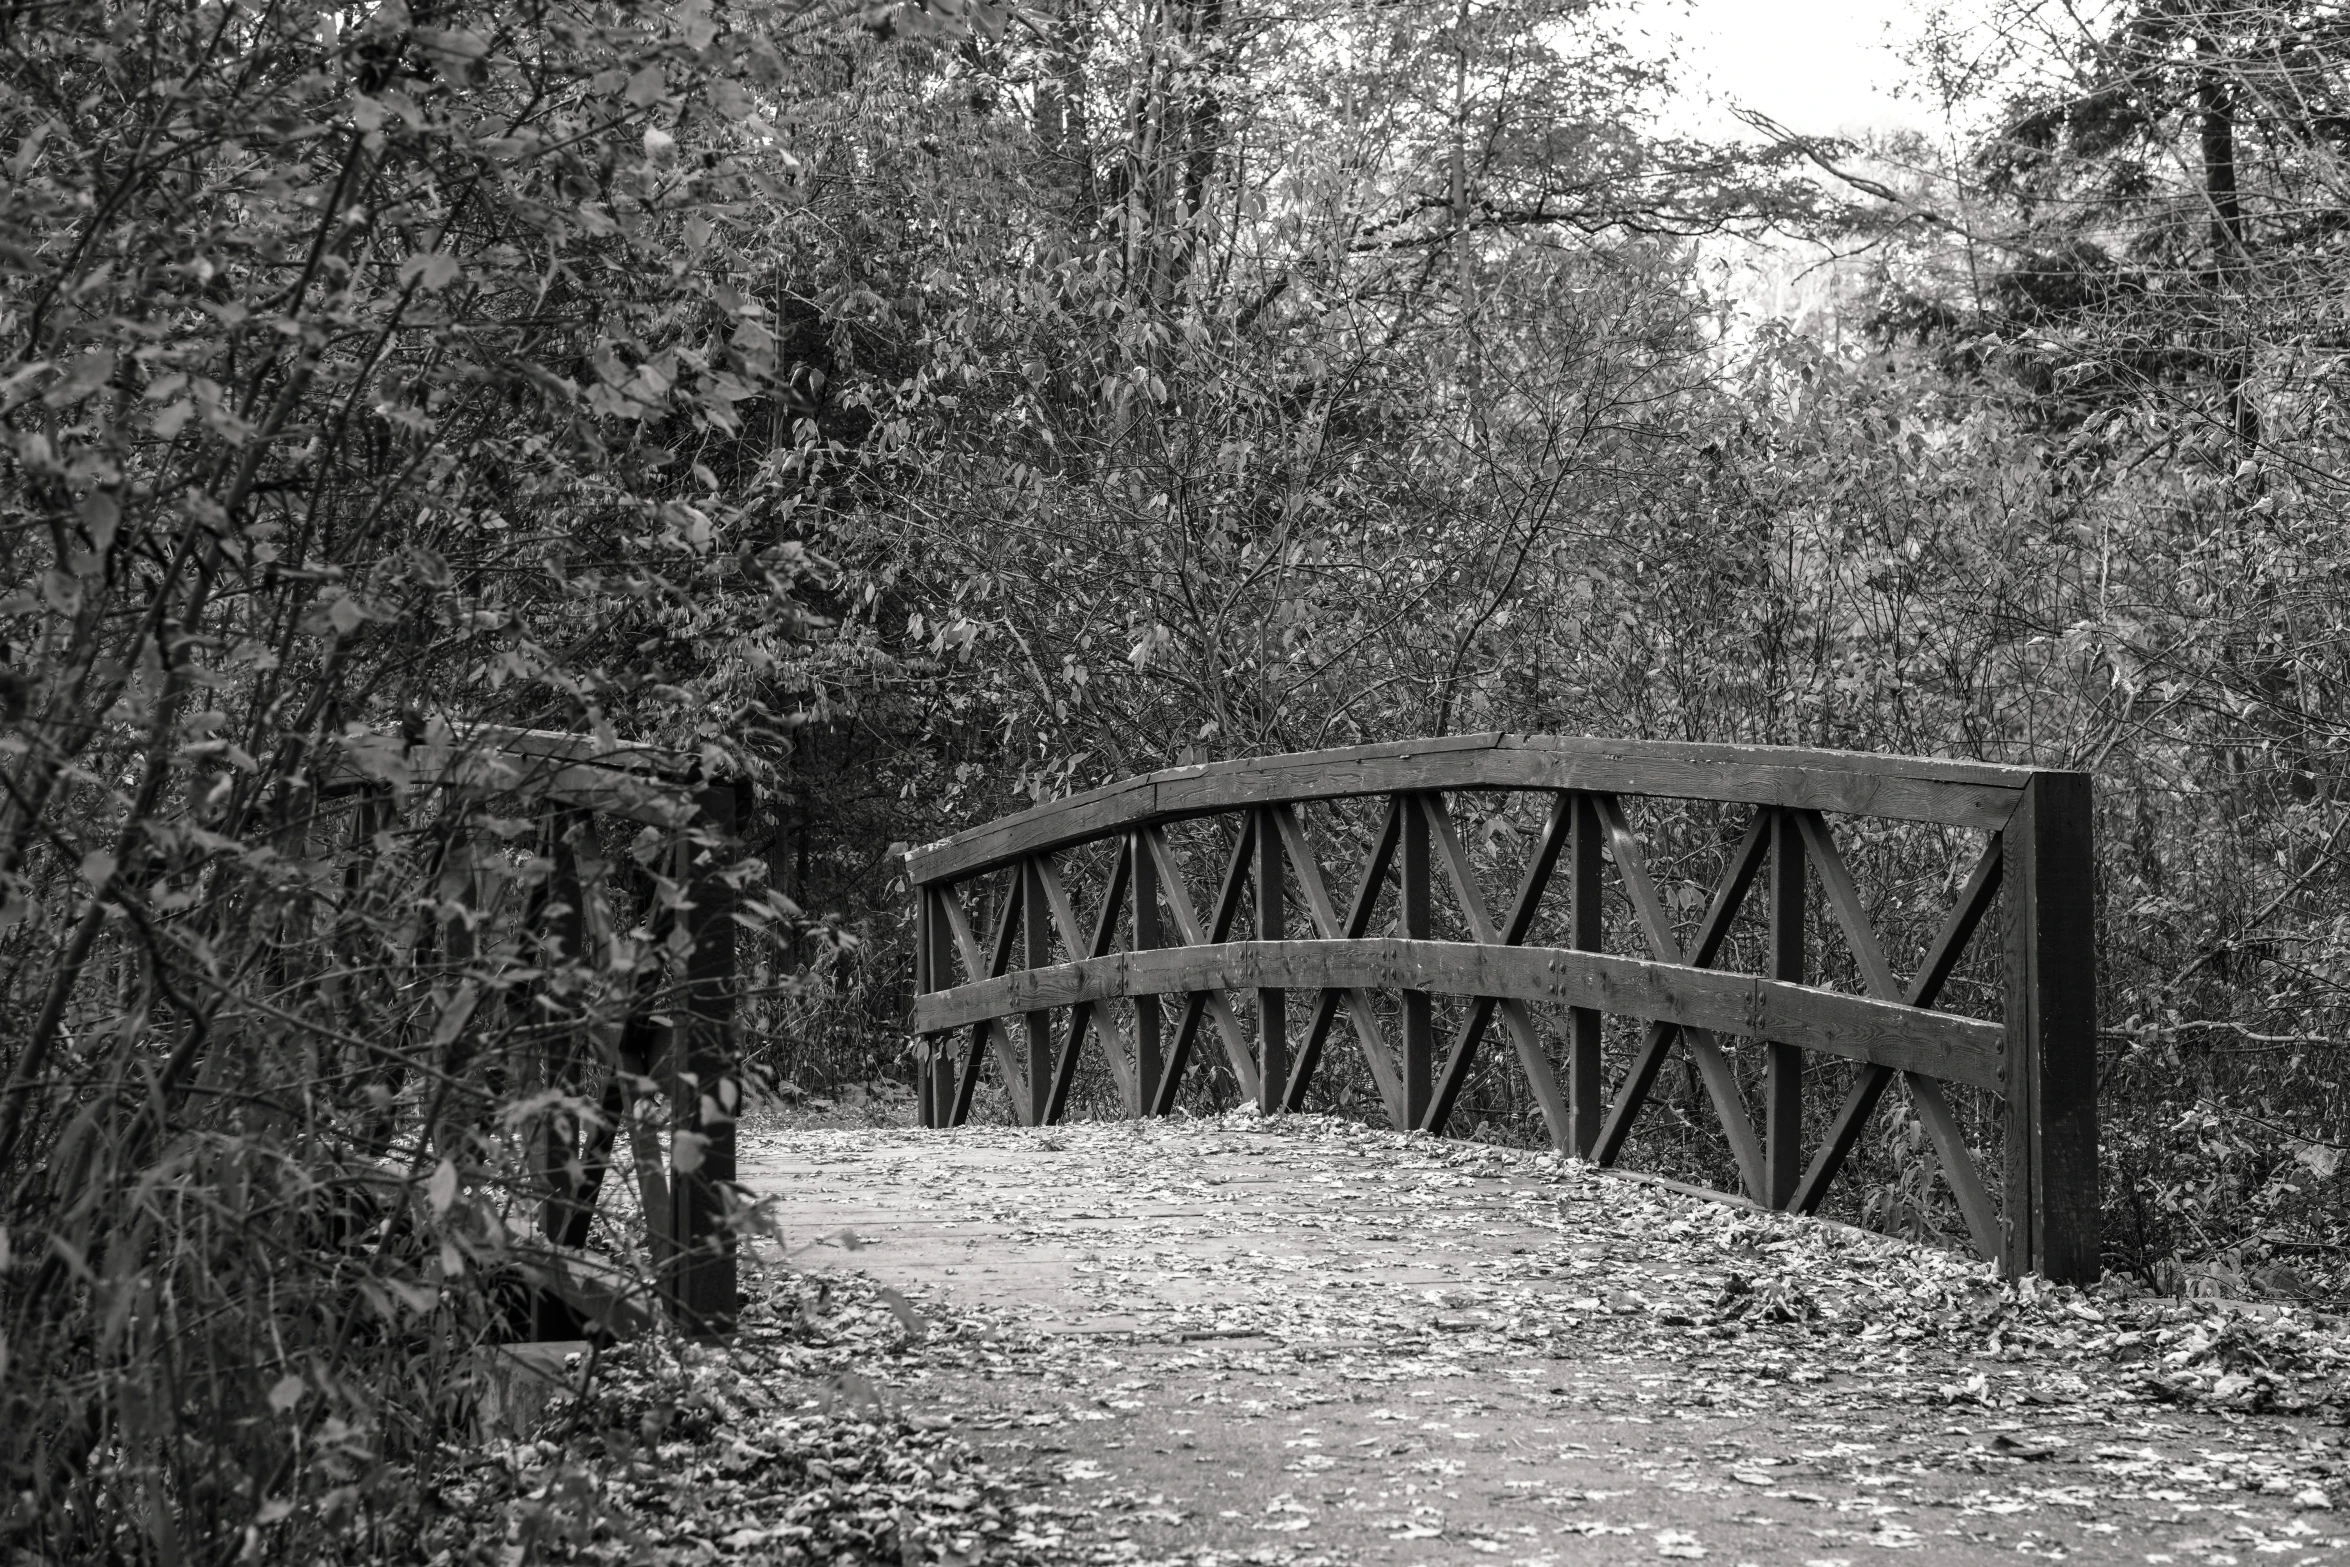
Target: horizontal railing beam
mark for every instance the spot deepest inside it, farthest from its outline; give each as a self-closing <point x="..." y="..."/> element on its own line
<point x="1958" y="794"/>
<point x="647" y="784"/>
<point x="1933" y="1044"/>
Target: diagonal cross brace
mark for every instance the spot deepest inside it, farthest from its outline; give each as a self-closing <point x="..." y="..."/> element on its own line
<point x="1844" y="902"/>
<point x="1361" y="1009"/>
<point x="993" y="1035"/>
<point x="1514" y="1014"/>
<point x="1081" y="1016"/>
<point x="1746" y="862"/>
<point x="1207" y="1002"/>
<point x="1942" y="1128"/>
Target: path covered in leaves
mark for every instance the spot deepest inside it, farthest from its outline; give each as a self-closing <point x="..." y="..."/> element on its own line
<point x="1306" y="1339"/>
<point x="1307" y="1342"/>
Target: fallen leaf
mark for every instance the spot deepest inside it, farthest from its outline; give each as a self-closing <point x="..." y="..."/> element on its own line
<point x="2028" y="1448"/>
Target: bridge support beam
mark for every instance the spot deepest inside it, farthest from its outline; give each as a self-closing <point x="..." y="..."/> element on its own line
<point x="1149" y="1060"/>
<point x="1036" y="937"/>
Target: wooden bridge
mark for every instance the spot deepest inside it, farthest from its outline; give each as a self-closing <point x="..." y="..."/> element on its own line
<point x="675" y="1050"/>
<point x="1044" y="984"/>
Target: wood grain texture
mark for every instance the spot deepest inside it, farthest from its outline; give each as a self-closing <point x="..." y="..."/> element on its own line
<point x="1200" y="1001"/>
<point x="1119" y="1053"/>
<point x="1609" y="1133"/>
<point x="1656" y="925"/>
<point x="1632" y="1093"/>
<point x="1083" y="1016"/>
<point x="1783" y="1062"/>
<point x="1445" y="844"/>
<point x="1942" y="955"/>
<point x="1746" y="863"/>
<point x="2037" y="865"/>
<point x="1534" y="1063"/>
<point x="1721" y="1086"/>
<point x="1036" y="932"/>
<point x="1860" y="1102"/>
<point x="1272" y="1003"/>
<point x="1844" y="901"/>
<point x="930" y="959"/>
<point x="1415" y="920"/>
<point x="1960" y="1049"/>
<point x="990" y="1035"/>
<point x="1064" y="912"/>
<point x="1587" y="931"/>
<point x="966" y="1076"/>
<point x="1950" y="942"/>
<point x="1958" y="1164"/>
<point x="1966" y="794"/>
<point x="1143" y="887"/>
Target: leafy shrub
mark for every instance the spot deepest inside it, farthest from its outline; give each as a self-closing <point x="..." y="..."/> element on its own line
<point x="364" y="381"/>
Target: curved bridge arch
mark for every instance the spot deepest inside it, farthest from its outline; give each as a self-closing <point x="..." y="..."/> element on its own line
<point x="2038" y="1058"/>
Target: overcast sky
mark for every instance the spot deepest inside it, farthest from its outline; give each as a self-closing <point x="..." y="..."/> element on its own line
<point x="1822" y="66"/>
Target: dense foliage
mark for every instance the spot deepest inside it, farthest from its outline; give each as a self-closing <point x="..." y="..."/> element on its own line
<point x="922" y="410"/>
<point x="2159" y="326"/>
<point x="367" y="381"/>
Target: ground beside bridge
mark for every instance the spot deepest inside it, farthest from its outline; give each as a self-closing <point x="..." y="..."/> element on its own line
<point x="1304" y="1339"/>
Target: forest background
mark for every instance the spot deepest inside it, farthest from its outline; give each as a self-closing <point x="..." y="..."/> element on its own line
<point x="926" y="409"/>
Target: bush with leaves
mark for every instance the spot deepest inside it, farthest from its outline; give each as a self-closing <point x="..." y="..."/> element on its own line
<point x="365" y="376"/>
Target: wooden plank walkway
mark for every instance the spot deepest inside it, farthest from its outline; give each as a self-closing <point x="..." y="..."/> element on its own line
<point x="1316" y="1342"/>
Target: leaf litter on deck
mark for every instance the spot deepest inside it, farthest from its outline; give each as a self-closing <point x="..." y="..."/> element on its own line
<point x="1720" y="1308"/>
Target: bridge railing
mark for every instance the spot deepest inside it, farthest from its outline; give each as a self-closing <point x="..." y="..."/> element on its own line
<point x="1042" y="984"/>
<point x="686" y="1052"/>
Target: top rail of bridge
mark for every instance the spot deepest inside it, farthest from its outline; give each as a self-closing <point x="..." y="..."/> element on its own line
<point x="1980" y="795"/>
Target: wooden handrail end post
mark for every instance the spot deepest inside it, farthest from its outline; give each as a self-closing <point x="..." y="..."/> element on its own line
<point x="2051" y="1208"/>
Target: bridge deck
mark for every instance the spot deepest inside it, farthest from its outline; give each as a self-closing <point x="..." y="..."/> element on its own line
<point x="1369" y="1348"/>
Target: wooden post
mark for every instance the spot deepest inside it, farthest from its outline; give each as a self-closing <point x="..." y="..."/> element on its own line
<point x="926" y="979"/>
<point x="563" y="941"/>
<point x="2051" y="1209"/>
<point x="640" y="1056"/>
<point x="1419" y="1014"/>
<point x="1272" y="1005"/>
<point x="1145" y="890"/>
<point x="706" y="1088"/>
<point x="1586" y="929"/>
<point x="1783" y="1069"/>
<point x="1036" y="939"/>
<point x="943" y="1083"/>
